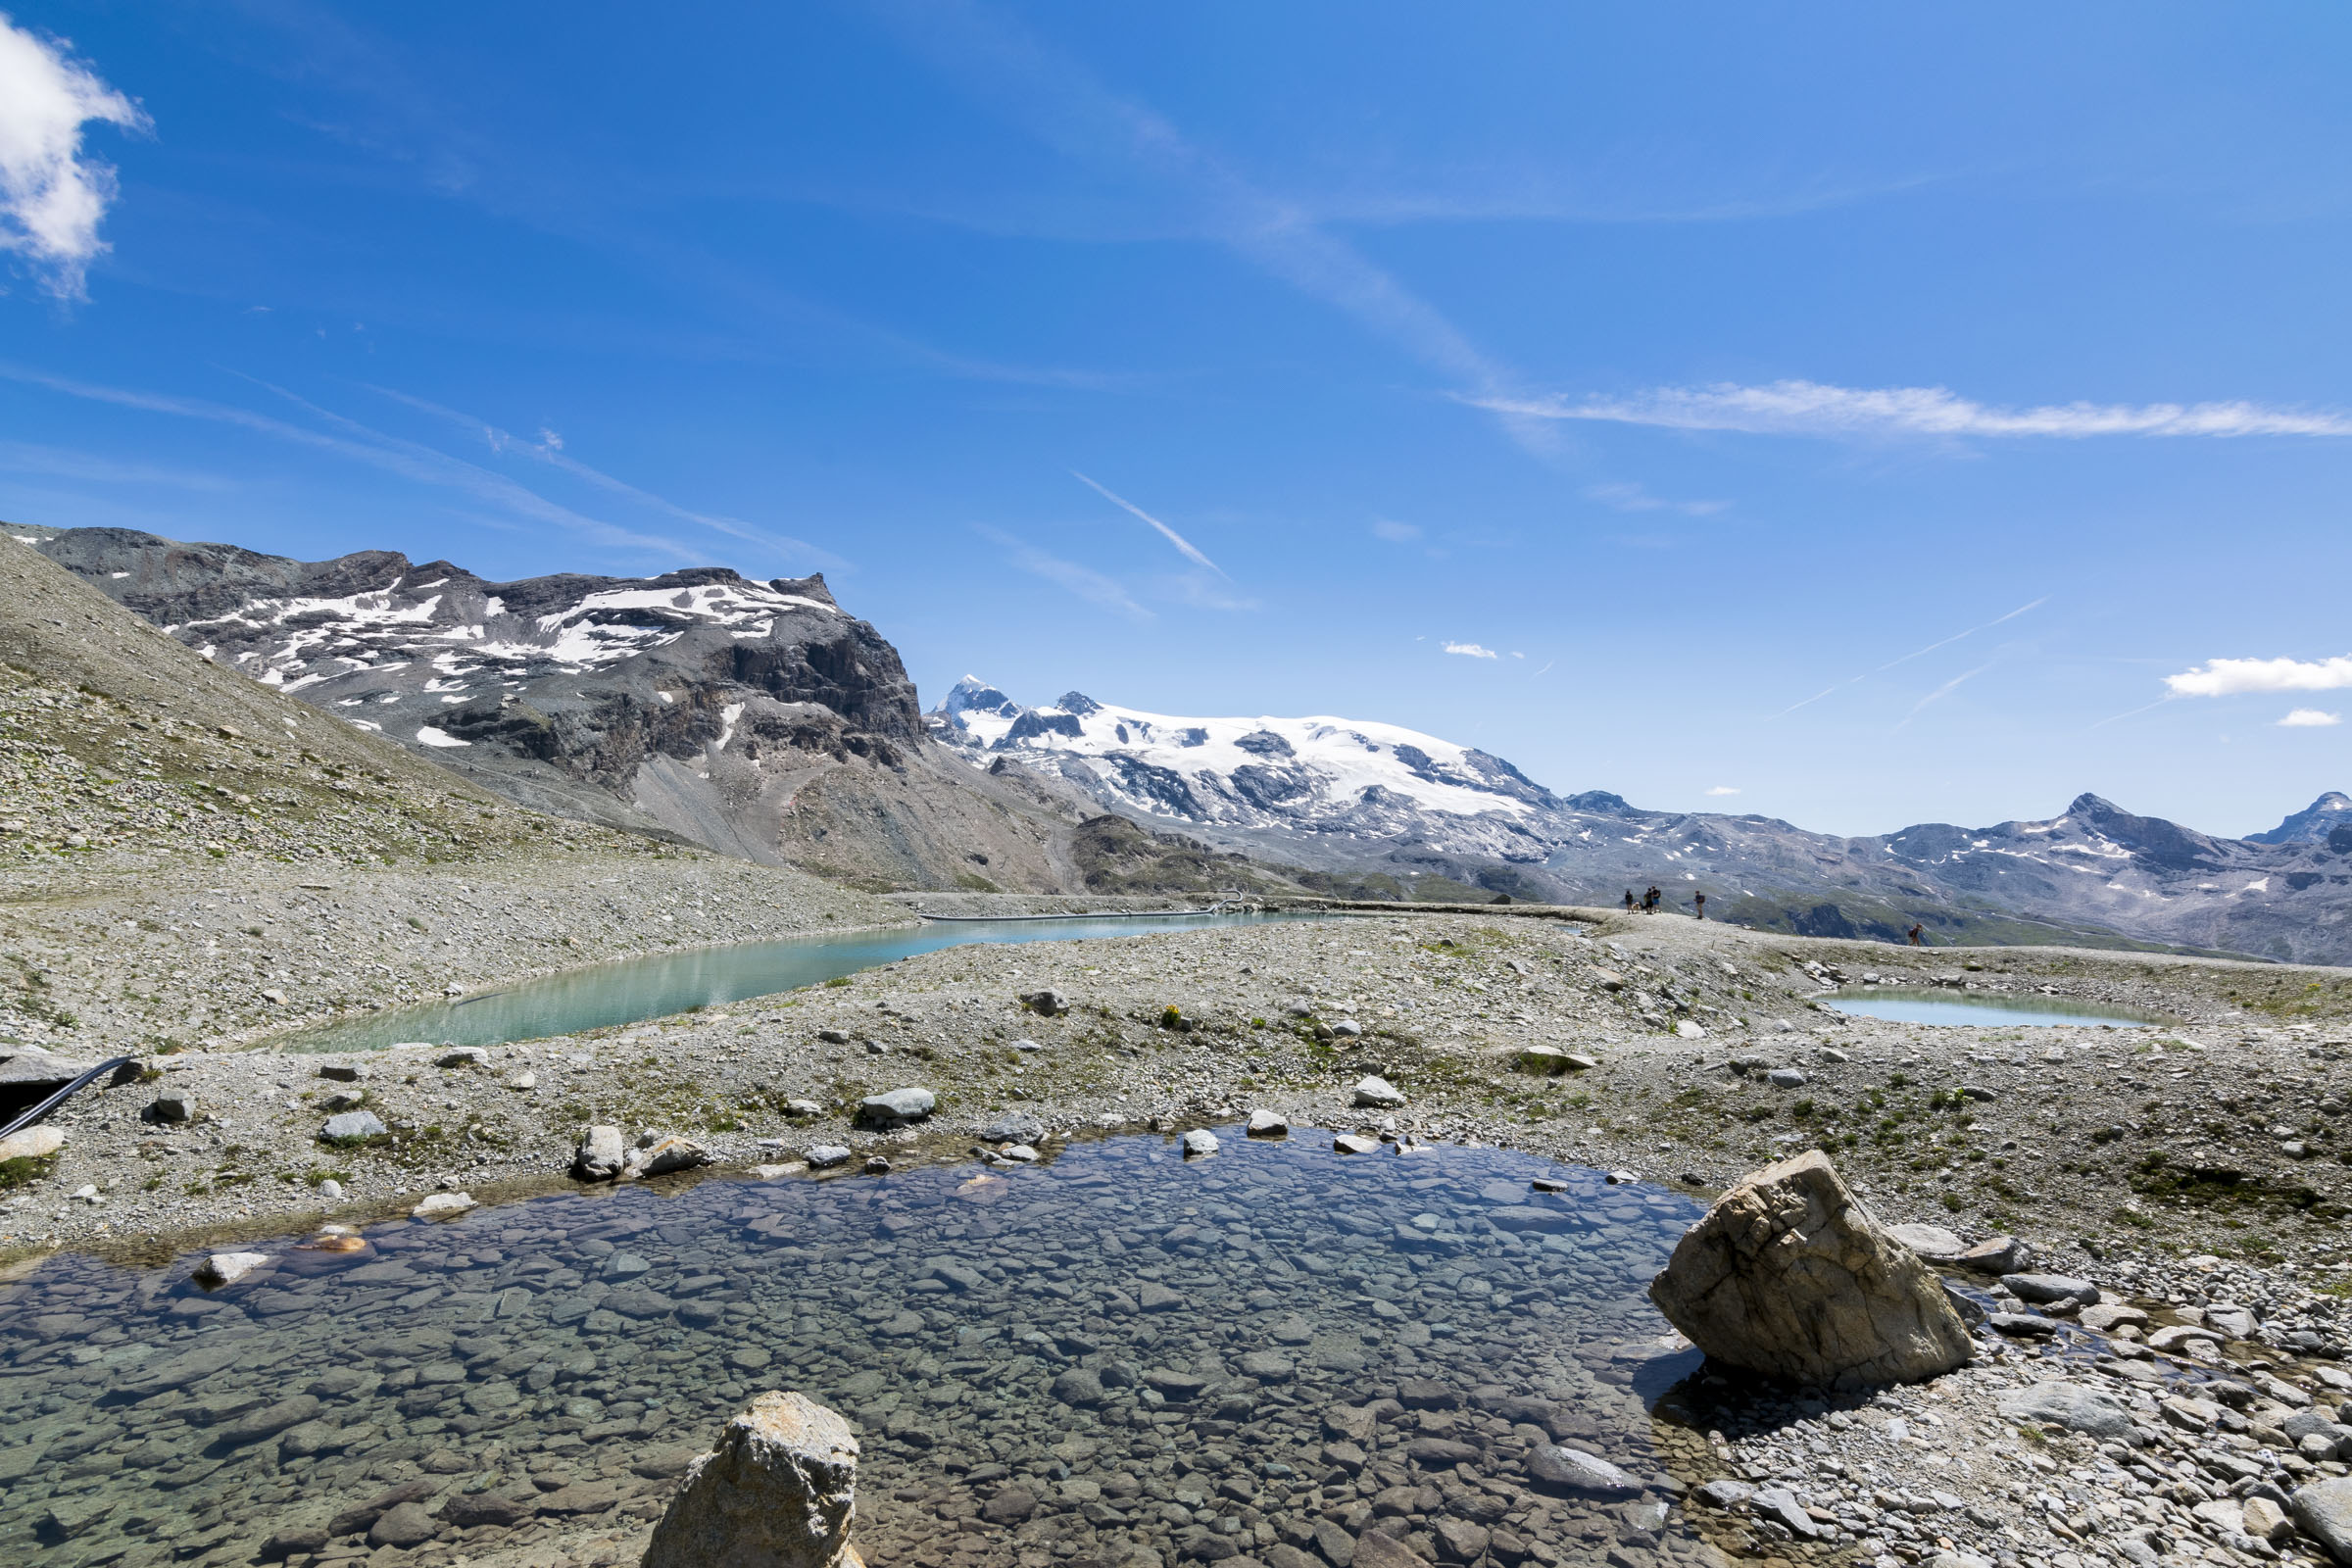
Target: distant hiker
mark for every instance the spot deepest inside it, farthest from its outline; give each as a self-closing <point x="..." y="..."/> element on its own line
<point x="1917" y="936"/>
<point x="1649" y="900"/>
<point x="1700" y="899"/>
<point x="1629" y="901"/>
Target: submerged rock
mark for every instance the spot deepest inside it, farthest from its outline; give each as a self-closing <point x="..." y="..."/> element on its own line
<point x="777" y="1491"/>
<point x="227" y="1268"/>
<point x="1787" y="1276"/>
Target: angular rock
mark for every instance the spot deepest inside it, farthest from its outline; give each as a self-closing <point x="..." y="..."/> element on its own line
<point x="403" y="1525"/>
<point x="462" y="1057"/>
<point x="2043" y="1287"/>
<point x="1787" y="1276"/>
<point x="1377" y="1093"/>
<point x="2324" y="1510"/>
<point x="601" y="1154"/>
<point x="173" y="1104"/>
<point x="1355" y="1144"/>
<point x="1199" y="1143"/>
<point x="444" y="1206"/>
<point x="777" y="1491"/>
<point x="1051" y="1003"/>
<point x="825" y="1157"/>
<point x="1014" y="1127"/>
<point x="2000" y="1255"/>
<point x="1268" y="1124"/>
<point x="2075" y="1407"/>
<point x="2108" y="1316"/>
<point x="664" y="1156"/>
<point x="1931" y="1242"/>
<point x="895" y="1109"/>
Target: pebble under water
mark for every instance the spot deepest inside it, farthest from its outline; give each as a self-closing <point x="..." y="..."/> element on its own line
<point x="1116" y="1358"/>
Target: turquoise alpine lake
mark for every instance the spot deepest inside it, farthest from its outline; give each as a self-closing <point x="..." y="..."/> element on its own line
<point x="1116" y="1358"/>
<point x="1983" y="1010"/>
<point x="630" y="990"/>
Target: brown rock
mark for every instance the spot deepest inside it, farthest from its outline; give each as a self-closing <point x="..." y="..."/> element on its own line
<point x="1787" y="1276"/>
<point x="403" y="1525"/>
<point x="777" y="1491"/>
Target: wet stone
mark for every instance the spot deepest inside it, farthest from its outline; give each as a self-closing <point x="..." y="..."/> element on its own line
<point x="1107" y="1356"/>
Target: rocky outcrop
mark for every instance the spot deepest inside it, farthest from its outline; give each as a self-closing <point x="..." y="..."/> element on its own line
<point x="1786" y="1275"/>
<point x="756" y="718"/>
<point x="779" y="1490"/>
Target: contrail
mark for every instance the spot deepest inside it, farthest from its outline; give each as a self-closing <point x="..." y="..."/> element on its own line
<point x="1171" y="535"/>
<point x="1971" y="632"/>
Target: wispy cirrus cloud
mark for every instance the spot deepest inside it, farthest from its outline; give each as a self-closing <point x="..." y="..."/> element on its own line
<point x="1084" y="581"/>
<point x="52" y="196"/>
<point x="1813" y="409"/>
<point x="410" y="460"/>
<point x="2309" y="719"/>
<point x="1724" y="789"/>
<point x="549" y="449"/>
<point x="1634" y="497"/>
<point x="2231" y="677"/>
<point x="1183" y="545"/>
<point x="64" y="462"/>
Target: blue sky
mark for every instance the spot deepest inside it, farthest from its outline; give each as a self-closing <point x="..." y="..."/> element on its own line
<point x="1855" y="414"/>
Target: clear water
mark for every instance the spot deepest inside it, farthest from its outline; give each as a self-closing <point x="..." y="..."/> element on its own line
<point x="655" y="987"/>
<point x="550" y="1366"/>
<point x="1980" y="1010"/>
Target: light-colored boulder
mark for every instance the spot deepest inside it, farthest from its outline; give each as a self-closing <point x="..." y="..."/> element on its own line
<point x="1377" y="1093"/>
<point x="33" y="1142"/>
<point x="1199" y="1143"/>
<point x="1931" y="1242"/>
<point x="353" y="1124"/>
<point x="227" y="1268"/>
<point x="1787" y="1275"/>
<point x="601" y="1154"/>
<point x="666" y="1154"/>
<point x="896" y="1107"/>
<point x="778" y="1491"/>
<point x="1268" y="1124"/>
<point x="444" y="1206"/>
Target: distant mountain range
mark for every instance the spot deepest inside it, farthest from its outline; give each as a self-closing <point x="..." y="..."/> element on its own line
<point x="760" y="720"/>
<point x="1399" y="813"/>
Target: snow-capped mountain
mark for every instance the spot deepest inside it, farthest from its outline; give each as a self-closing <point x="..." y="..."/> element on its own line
<point x="1325" y="775"/>
<point x="757" y="718"/>
<point x="1334" y="794"/>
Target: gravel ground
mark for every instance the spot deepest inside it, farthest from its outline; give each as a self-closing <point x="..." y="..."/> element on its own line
<point x="2189" y="1167"/>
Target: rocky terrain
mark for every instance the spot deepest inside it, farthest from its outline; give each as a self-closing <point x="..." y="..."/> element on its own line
<point x="2192" y="1170"/>
<point x="1372" y="810"/>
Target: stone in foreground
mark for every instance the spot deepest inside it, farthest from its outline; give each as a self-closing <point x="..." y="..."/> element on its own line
<point x="444" y="1206"/>
<point x="354" y="1124"/>
<point x="33" y="1142"/>
<point x="1787" y="1276"/>
<point x="777" y="1491"/>
<point x="1199" y="1143"/>
<point x="1572" y="1470"/>
<point x="601" y="1154"/>
<point x="2325" y="1511"/>
<point x="895" y="1109"/>
<point x="1378" y="1094"/>
<point x="1268" y="1124"/>
<point x="2072" y="1405"/>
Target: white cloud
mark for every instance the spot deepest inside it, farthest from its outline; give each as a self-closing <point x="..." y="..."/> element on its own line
<point x="2227" y="677"/>
<point x="2309" y="719"/>
<point x="52" y="197"/>
<point x="1183" y="545"/>
<point x="1809" y="408"/>
<point x="1471" y="651"/>
<point x="1724" y="789"/>
<point x="1399" y="533"/>
<point x="1634" y="498"/>
<point x="1084" y="581"/>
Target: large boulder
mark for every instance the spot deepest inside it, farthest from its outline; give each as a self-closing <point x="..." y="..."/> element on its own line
<point x="2324" y="1510"/>
<point x="1787" y="1276"/>
<point x="2076" y="1406"/>
<point x="777" y="1493"/>
<point x="601" y="1154"/>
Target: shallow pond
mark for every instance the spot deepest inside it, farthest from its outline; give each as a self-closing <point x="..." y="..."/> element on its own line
<point x="655" y="987"/>
<point x="1116" y="1358"/>
<point x="1983" y="1010"/>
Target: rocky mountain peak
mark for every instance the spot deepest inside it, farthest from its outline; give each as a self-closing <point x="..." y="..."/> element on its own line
<point x="2314" y="824"/>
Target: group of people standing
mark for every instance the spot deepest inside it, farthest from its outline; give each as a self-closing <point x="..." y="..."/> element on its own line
<point x="1650" y="902"/>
